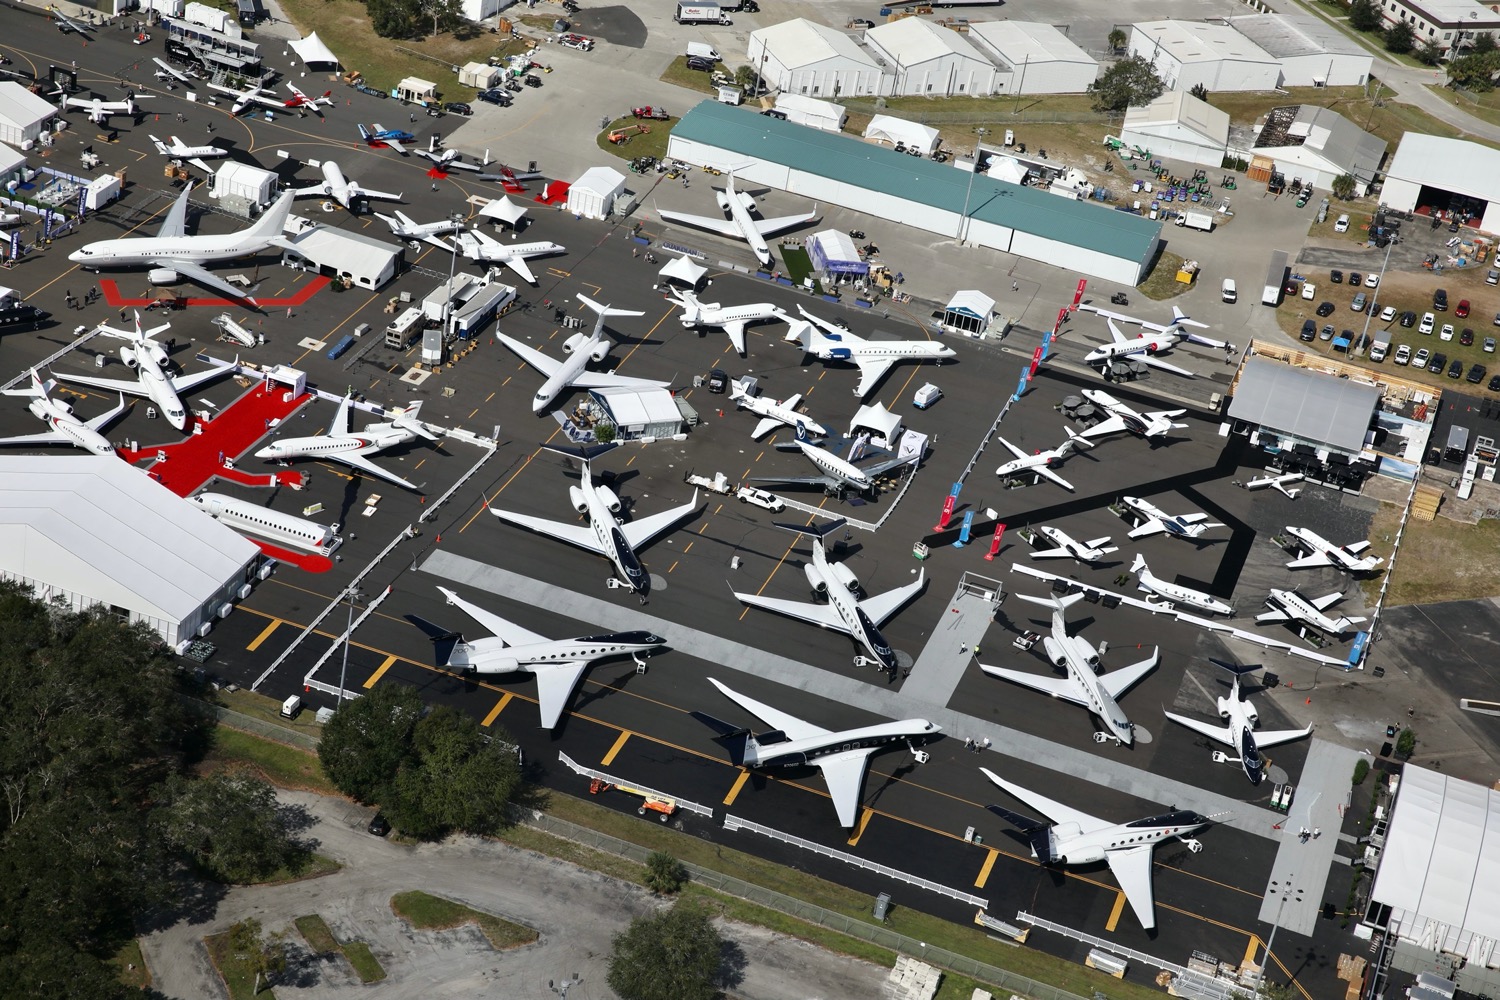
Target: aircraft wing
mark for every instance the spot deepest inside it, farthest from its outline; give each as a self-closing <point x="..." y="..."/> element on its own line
<point x="822" y="615"/>
<point x="367" y="194"/>
<point x="204" y="277"/>
<point x="724" y="227"/>
<point x="44" y="437"/>
<point x="844" y="774"/>
<point x="1056" y="687"/>
<point x="536" y="359"/>
<point x="1355" y="548"/>
<point x="175" y="224"/>
<point x="187" y="383"/>
<point x="1219" y="734"/>
<point x="1309" y="561"/>
<point x="555" y="683"/>
<point x="638" y="533"/>
<point x="736" y="333"/>
<point x="1057" y="553"/>
<point x="319" y="190"/>
<point x="766" y="426"/>
<point x="793" y="727"/>
<point x="365" y="465"/>
<point x="1273" y="616"/>
<point x="770" y="227"/>
<point x="1151" y="526"/>
<point x="1132" y="868"/>
<point x="796" y="480"/>
<point x="103" y="420"/>
<point x="503" y="629"/>
<point x="130" y="387"/>
<point x="871" y="371"/>
<point x="1113" y="425"/>
<point x="1053" y="810"/>
<point x="882" y="606"/>
<point x="1042" y="470"/>
<point x="1276" y="737"/>
<point x="519" y="265"/>
<point x="600" y="380"/>
<point x="1147" y="358"/>
<point x="393" y="144"/>
<point x="1326" y="601"/>
<point x="573" y="534"/>
<point x="1012" y="448"/>
<point x="1117" y="682"/>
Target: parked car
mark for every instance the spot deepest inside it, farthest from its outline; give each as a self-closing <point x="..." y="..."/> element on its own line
<point x="773" y="113"/>
<point x="1358" y="305"/>
<point x="1467" y="337"/>
<point x="1489" y="345"/>
<point x="1325" y="309"/>
<point x="380" y="826"/>
<point x="1372" y="280"/>
<point x="1494" y="385"/>
<point x="1326" y="333"/>
<point x="1440" y="300"/>
<point x="651" y="112"/>
<point x="365" y="89"/>
<point x="1387" y="314"/>
<point x="1437" y="363"/>
<point x="497" y="97"/>
<point x="1309" y="291"/>
<point x="1419" y="360"/>
<point x="1355" y="277"/>
<point x="1342" y="225"/>
<point x="572" y="40"/>
<point x="1408" y="319"/>
<point x="1337" y="277"/>
<point x="1462" y="309"/>
<point x="1492" y="277"/>
<point x="1456" y="369"/>
<point x="1497" y="319"/>
<point x="700" y="64"/>
<point x="1476" y="374"/>
<point x="1403" y="355"/>
<point x="1446" y="333"/>
<point x="458" y="108"/>
<point x="1309" y="330"/>
<point x="1428" y="322"/>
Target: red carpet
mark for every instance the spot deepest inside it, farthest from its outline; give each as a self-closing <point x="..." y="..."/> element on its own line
<point x="306" y="561"/>
<point x="314" y="285"/>
<point x="555" y="193"/>
<point x="195" y="460"/>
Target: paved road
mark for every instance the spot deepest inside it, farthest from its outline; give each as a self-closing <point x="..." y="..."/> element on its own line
<point x="576" y="911"/>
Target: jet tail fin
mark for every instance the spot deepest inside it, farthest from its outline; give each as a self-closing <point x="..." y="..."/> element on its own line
<point x="1038" y="834"/>
<point x="270" y="225"/>
<point x="586" y="454"/>
<point x="411" y="421"/>
<point x="734" y="739"/>
<point x="444" y="643"/>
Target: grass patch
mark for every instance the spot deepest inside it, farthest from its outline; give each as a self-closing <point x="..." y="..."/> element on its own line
<point x="679" y="75"/>
<point x="286" y="766"/>
<point x="1485" y="106"/>
<point x="798" y="266"/>
<point x="258" y="706"/>
<point x="318" y="935"/>
<point x="1437" y="559"/>
<point x="366" y="966"/>
<point x="1162" y="283"/>
<point x="237" y="974"/>
<point x="130" y="965"/>
<point x="652" y="143"/>
<point x="311" y="866"/>
<point x="1389" y="121"/>
<point x="427" y="912"/>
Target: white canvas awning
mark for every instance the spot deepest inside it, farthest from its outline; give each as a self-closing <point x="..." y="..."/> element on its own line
<point x="1006" y="168"/>
<point x="833" y="251"/>
<point x="894" y="130"/>
<point x="684" y="270"/>
<point x="883" y="425"/>
<point x="311" y="50"/>
<point x="505" y="210"/>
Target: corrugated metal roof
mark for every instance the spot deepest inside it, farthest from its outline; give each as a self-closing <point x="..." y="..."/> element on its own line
<point x="1451" y="164"/>
<point x="1289" y="35"/>
<point x="800" y="42"/>
<point x="1305" y="404"/>
<point x="1178" y="107"/>
<point x="912" y="41"/>
<point x="827" y="154"/>
<point x="1198" y="41"/>
<point x="1338" y="140"/>
<point x="1022" y="42"/>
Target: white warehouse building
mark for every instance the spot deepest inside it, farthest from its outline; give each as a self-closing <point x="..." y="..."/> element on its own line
<point x="1429" y="172"/>
<point x="1189" y="53"/>
<point x="1312" y="52"/>
<point x="1178" y="126"/>
<point x="814" y="60"/>
<point x="1034" y="58"/>
<point x="1316" y="145"/>
<point x="931" y="61"/>
<point x="92" y="529"/>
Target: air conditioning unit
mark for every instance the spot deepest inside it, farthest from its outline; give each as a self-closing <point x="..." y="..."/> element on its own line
<point x="266" y="569"/>
<point x="205" y="628"/>
<point x="225" y="609"/>
<point x="244" y="591"/>
<point x="182" y="647"/>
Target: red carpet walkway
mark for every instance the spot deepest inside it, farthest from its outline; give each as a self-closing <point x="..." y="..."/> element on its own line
<point x="306" y="561"/>
<point x="314" y="285"/>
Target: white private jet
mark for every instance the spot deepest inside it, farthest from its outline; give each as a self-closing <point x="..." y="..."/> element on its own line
<point x="1122" y="417"/>
<point x="1240" y="733"/>
<point x="149" y="359"/>
<point x="1076" y="838"/>
<point x="1147" y="346"/>
<point x="581" y="349"/>
<point x="1154" y="521"/>
<point x="1038" y="463"/>
<point x="100" y="110"/>
<point x="836" y="473"/>
<point x="448" y="159"/>
<point x="827" y="342"/>
<point x="1322" y="552"/>
<point x="171" y="252"/>
<point x="605" y="534"/>
<point x="406" y="228"/>
<point x="341" y="189"/>
<point x="1084" y="685"/>
<point x="843" y="756"/>
<point x="1066" y="547"/>
<point x="65" y="426"/>
<point x="341" y="444"/>
<point x="179" y="150"/>
<point x="1176" y="592"/>
<point x="1290" y="606"/>
<point x="741" y="224"/>
<point x="557" y="663"/>
<point x="476" y="245"/>
<point x="774" y="413"/>
<point x="856" y="616"/>
<point x="244" y="99"/>
<point x="731" y="319"/>
<point x="1277" y="483"/>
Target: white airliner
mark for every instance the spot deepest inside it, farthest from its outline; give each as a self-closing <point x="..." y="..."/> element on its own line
<point x="605" y="534"/>
<point x="340" y="188"/>
<point x="731" y="319"/>
<point x="1240" y="732"/>
<point x="448" y="159"/>
<point x="1290" y="606"/>
<point x="1147" y="346"/>
<point x="846" y="611"/>
<point x="181" y="151"/>
<point x="774" y="413"/>
<point x="1175" y="592"/>
<point x="1066" y="547"/>
<point x="1038" y="463"/>
<point x="741" y="224"/>
<point x="171" y="252"/>
<point x="1076" y="838"/>
<point x="842" y="756"/>
<point x="1277" y="483"/>
<point x="557" y="663"/>
<point x="580" y="350"/>
<point x="1124" y="418"/>
<point x="837" y="473"/>
<point x="476" y="245"/>
<point x="1155" y="521"/>
<point x="827" y="342"/>
<point x="150" y="361"/>
<point x="1322" y="552"/>
<point x="1084" y="685"/>
<point x="406" y="228"/>
<point x="244" y="99"/>
<point x="341" y="444"/>
<point x="65" y="426"/>
<point x="99" y="110"/>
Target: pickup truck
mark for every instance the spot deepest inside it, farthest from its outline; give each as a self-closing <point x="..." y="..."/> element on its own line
<point x="761" y="498"/>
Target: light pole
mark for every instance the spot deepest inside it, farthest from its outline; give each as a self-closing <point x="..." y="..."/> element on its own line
<point x="351" y="595"/>
<point x="457" y="218"/>
<point x="1286" y="890"/>
<point x="963" y="222"/>
<point x="1374" y="299"/>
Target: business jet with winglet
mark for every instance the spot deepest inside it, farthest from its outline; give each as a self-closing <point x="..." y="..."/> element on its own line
<point x="171" y="252"/>
<point x="1038" y="464"/>
<point x="740" y="224"/>
<point x="377" y="136"/>
<point x="847" y="611"/>
<point x="775" y="413"/>
<point x="1176" y="592"/>
<point x="100" y="110"/>
<point x="476" y="245"/>
<point x="1277" y="483"/>
<point x="1066" y="547"/>
<point x="150" y="361"/>
<point x="448" y="159"/>
<point x="406" y="228"/>
<point x="66" y="24"/>
<point x="1074" y="837"/>
<point x="731" y="319"/>
<point x="1322" y="552"/>
<point x="605" y="534"/>
<point x="1123" y="417"/>
<point x="180" y="150"/>
<point x="835" y="473"/>
<point x="874" y="358"/>
<point x="1155" y="521"/>
<point x="342" y="444"/>
<point x="1083" y="685"/>
<point x="843" y="756"/>
<point x="558" y="664"/>
<point x="65" y="426"/>
<point x="1240" y="733"/>
<point x="1290" y="606"/>
<point x="580" y="349"/>
<point x="1147" y="346"/>
<point x="341" y="189"/>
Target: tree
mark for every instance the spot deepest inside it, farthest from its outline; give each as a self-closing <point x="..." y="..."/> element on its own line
<point x="1406" y="743"/>
<point x="1364" y="15"/>
<point x="1482" y="43"/>
<point x="672" y="955"/>
<point x="1343" y="186"/>
<point x="445" y="14"/>
<point x="265" y="956"/>
<point x="228" y="825"/>
<point x="1117" y="40"/>
<point x="1429" y="52"/>
<point x="1361" y="771"/>
<point x="665" y="875"/>
<point x="1475" y="71"/>
<point x="393" y="18"/>
<point x="456" y="778"/>
<point x="1199" y="91"/>
<point x="1130" y="82"/>
<point x="368" y="739"/>
<point x="1399" y="38"/>
<point x="746" y="77"/>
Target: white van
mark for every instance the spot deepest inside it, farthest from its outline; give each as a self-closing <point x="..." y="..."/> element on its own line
<point x="1228" y="292"/>
<point x="703" y="51"/>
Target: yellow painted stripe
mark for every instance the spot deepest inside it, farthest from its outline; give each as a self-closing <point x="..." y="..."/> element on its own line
<point x="499" y="707"/>
<point x="1252" y="948"/>
<point x="859" y="828"/>
<point x="380" y="672"/>
<point x="609" y="758"/>
<point x="984" y="870"/>
<point x="738" y="784"/>
<point x="1114" y="914"/>
<point x="265" y="634"/>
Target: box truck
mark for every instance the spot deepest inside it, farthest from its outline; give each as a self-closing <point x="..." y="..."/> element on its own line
<point x="1275" y="279"/>
<point x="1197" y="220"/>
<point x="699" y="13"/>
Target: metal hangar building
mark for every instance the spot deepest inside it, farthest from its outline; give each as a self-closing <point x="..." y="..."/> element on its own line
<point x="933" y="197"/>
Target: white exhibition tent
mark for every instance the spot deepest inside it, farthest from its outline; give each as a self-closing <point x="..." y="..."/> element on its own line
<point x="1008" y="169"/>
<point x="883" y="425"/>
<point x="684" y="270"/>
<point x="312" y="50"/>
<point x="894" y="130"/>
<point x="504" y="210"/>
<point x="593" y="194"/>
<point x="832" y="251"/>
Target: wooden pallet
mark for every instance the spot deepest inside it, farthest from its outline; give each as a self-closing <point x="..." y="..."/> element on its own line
<point x="1425" y="504"/>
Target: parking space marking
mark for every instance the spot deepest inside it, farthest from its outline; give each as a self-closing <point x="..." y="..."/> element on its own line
<point x="265" y="634"/>
<point x="620" y="741"/>
<point x="1251" y="947"/>
<point x="859" y="828"/>
<point x="984" y="869"/>
<point x="499" y="707"/>
<point x="380" y="671"/>
<point x="1114" y="913"/>
<point x="734" y="790"/>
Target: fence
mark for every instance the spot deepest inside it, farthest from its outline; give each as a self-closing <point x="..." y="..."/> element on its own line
<point x="993" y="116"/>
<point x="1192" y="983"/>
<point x="259" y="727"/>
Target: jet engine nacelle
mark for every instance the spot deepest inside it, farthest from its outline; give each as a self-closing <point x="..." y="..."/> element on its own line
<point x="607" y="495"/>
<point x="1054" y="652"/>
<point x="163" y="276"/>
<point x="574" y="342"/>
<point x="844" y="575"/>
<point x="600" y="351"/>
<point x="723" y="200"/>
<point x="1251" y="715"/>
<point x="128" y="356"/>
<point x="158" y="354"/>
<point x="1223" y="708"/>
<point x="40" y="411"/>
<point x="501" y="665"/>
<point x="1091" y="854"/>
<point x="577" y="499"/>
<point x="815" y="578"/>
